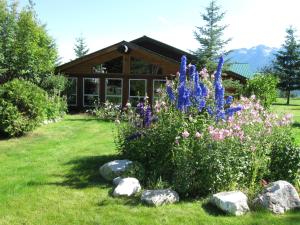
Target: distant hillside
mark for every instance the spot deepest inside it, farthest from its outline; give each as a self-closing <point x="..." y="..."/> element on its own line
<point x="257" y="57"/>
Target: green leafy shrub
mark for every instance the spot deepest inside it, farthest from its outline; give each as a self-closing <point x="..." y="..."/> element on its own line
<point x="24" y="106"/>
<point x="264" y="87"/>
<point x="285" y="158"/>
<point x="26" y="103"/>
<point x="54" y="84"/>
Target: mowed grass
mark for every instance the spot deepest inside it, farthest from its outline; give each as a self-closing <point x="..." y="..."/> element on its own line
<point x="280" y="107"/>
<point x="50" y="177"/>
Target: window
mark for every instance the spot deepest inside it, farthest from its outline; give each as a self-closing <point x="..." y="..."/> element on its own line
<point x="72" y="91"/>
<point x="90" y="91"/>
<point x="111" y="66"/>
<point x="137" y="90"/>
<point x="159" y="86"/>
<point x="139" y="66"/>
<point x="113" y="90"/>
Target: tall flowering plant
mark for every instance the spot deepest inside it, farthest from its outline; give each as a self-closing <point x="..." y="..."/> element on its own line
<point x="193" y="93"/>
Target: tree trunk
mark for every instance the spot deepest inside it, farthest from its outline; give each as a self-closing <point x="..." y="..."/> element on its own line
<point x="288" y="93"/>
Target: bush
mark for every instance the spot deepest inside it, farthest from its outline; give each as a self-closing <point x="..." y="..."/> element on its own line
<point x="285" y="158"/>
<point x="264" y="87"/>
<point x="54" y="84"/>
<point x="24" y="106"/>
<point x="25" y="102"/>
<point x="200" y="143"/>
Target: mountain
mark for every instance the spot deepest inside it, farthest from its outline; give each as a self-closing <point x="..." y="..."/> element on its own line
<point x="257" y="57"/>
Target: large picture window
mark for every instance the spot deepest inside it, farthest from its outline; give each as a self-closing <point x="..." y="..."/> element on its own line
<point x="90" y="91"/>
<point x="159" y="87"/>
<point x="113" y="90"/>
<point x="139" y="66"/>
<point x="72" y="91"/>
<point x="111" y="66"/>
<point x="137" y="90"/>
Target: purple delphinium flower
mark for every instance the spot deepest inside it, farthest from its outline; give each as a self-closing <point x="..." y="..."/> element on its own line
<point x="230" y="111"/>
<point x="181" y="86"/>
<point x="171" y="94"/>
<point x="229" y="100"/>
<point x="140" y="109"/>
<point x="218" y="73"/>
<point x="192" y="71"/>
<point x="148" y="117"/>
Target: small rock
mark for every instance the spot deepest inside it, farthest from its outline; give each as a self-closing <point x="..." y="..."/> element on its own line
<point x="127" y="187"/>
<point x="113" y="169"/>
<point x="116" y="181"/>
<point x="159" y="197"/>
<point x="278" y="197"/>
<point x="233" y="202"/>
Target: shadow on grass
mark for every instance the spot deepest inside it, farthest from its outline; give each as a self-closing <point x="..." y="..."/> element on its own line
<point x="213" y="210"/>
<point x="84" y="172"/>
<point x="296" y="125"/>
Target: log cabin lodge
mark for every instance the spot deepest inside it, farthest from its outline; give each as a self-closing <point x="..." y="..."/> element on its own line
<point x="126" y="72"/>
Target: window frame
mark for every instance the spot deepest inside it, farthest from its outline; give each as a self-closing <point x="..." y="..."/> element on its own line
<point x="106" y="79"/>
<point x="76" y="79"/>
<point x="146" y="92"/>
<point x="83" y="91"/>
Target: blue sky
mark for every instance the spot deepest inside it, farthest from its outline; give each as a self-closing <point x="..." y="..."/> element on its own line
<point x="102" y="23"/>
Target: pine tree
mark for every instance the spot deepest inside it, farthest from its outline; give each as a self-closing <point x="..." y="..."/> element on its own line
<point x="287" y="64"/>
<point x="210" y="37"/>
<point x="80" y="47"/>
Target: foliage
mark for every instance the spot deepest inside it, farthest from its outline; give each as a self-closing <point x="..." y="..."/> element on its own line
<point x="210" y="37"/>
<point x="233" y="87"/>
<point x="27" y="51"/>
<point x="24" y="106"/>
<point x="54" y="84"/>
<point x="285" y="158"/>
<point x="264" y="87"/>
<point x="287" y="63"/>
<point x="199" y="142"/>
<point x="80" y="47"/>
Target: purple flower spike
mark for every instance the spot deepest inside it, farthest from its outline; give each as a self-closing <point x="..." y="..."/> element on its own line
<point x="218" y="74"/>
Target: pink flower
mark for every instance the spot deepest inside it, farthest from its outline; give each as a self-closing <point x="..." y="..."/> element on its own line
<point x="185" y="134"/>
<point x="198" y="135"/>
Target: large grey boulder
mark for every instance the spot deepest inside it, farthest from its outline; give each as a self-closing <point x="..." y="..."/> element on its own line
<point x="159" y="197"/>
<point x="113" y="169"/>
<point x="233" y="202"/>
<point x="127" y="187"/>
<point x="278" y="197"/>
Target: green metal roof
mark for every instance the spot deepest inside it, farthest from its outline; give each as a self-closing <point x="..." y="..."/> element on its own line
<point x="242" y="69"/>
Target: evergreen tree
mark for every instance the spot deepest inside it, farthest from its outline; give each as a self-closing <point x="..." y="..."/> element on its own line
<point x="287" y="64"/>
<point x="80" y="47"/>
<point x="27" y="50"/>
<point x="210" y="37"/>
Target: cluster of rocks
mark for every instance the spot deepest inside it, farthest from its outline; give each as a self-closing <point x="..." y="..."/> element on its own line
<point x="278" y="196"/>
<point x="129" y="186"/>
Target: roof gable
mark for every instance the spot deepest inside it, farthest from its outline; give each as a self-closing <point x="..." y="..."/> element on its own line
<point x="162" y="48"/>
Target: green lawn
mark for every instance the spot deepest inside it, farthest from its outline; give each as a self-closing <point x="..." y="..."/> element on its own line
<point x="294" y="108"/>
<point x="50" y="177"/>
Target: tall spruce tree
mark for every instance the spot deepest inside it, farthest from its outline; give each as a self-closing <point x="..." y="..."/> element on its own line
<point x="287" y="64"/>
<point x="210" y="37"/>
<point x="80" y="47"/>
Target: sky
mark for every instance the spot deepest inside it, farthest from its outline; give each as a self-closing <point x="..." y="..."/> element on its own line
<point x="106" y="22"/>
